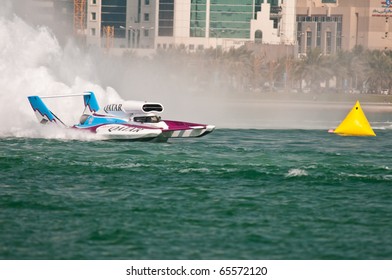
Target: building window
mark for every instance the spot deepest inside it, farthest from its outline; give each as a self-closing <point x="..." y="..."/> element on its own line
<point x="93" y="16"/>
<point x="93" y="32"/>
<point x="146" y="17"/>
<point x="318" y="42"/>
<point x="114" y="13"/>
<point x="93" y="2"/>
<point x="198" y="18"/>
<point x="146" y="33"/>
<point x="230" y="16"/>
<point x="146" y="2"/>
<point x="339" y="43"/>
<point x="275" y="23"/>
<point x="166" y="18"/>
<point x="308" y="40"/>
<point x="299" y="36"/>
<point x="258" y="36"/>
<point x="329" y="42"/>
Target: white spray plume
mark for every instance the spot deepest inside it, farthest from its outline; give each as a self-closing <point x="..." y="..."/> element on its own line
<point x="33" y="63"/>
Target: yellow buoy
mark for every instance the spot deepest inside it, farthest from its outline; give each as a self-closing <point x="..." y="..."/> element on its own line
<point x="355" y="124"/>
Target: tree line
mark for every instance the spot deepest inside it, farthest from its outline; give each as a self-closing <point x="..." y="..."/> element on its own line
<point x="358" y="70"/>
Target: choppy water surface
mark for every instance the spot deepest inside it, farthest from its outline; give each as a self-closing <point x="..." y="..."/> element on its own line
<point x="234" y="194"/>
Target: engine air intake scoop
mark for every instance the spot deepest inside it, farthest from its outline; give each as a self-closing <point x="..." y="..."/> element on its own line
<point x="149" y="107"/>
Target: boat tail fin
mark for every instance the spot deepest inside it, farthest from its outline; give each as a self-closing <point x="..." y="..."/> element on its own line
<point x="355" y="123"/>
<point x="43" y="114"/>
<point x="90" y="103"/>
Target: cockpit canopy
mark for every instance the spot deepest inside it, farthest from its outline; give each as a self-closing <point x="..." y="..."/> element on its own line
<point x="147" y="119"/>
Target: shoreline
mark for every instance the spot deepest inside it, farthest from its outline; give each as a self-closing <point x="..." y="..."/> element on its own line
<point x="369" y="102"/>
<point x="368" y="97"/>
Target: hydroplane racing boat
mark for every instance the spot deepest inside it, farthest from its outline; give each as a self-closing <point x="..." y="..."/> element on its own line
<point x="129" y="120"/>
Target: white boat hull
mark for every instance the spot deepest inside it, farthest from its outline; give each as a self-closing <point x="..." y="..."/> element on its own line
<point x="119" y="131"/>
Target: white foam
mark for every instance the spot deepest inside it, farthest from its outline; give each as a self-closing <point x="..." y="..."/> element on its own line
<point x="296" y="172"/>
<point x="33" y="63"/>
<point x="194" y="170"/>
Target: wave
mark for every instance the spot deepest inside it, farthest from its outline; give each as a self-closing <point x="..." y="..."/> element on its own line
<point x="296" y="172"/>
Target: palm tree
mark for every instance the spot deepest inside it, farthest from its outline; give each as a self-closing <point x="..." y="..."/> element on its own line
<point x="284" y="71"/>
<point x="238" y="66"/>
<point x="313" y="69"/>
<point x="257" y="66"/>
<point x="350" y="67"/>
<point x="275" y="70"/>
<point x="379" y="71"/>
<point x="289" y="69"/>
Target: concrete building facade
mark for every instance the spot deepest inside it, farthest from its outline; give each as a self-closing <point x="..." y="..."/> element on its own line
<point x="200" y="24"/>
<point x="195" y="24"/>
<point x="133" y="23"/>
<point x="330" y="25"/>
<point x="343" y="24"/>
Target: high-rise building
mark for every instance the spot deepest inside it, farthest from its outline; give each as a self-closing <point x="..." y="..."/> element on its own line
<point x="132" y="22"/>
<point x="103" y="15"/>
<point x="330" y="25"/>
<point x="199" y="24"/>
<point x="194" y="24"/>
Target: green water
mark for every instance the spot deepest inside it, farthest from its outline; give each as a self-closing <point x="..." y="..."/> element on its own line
<point x="234" y="194"/>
